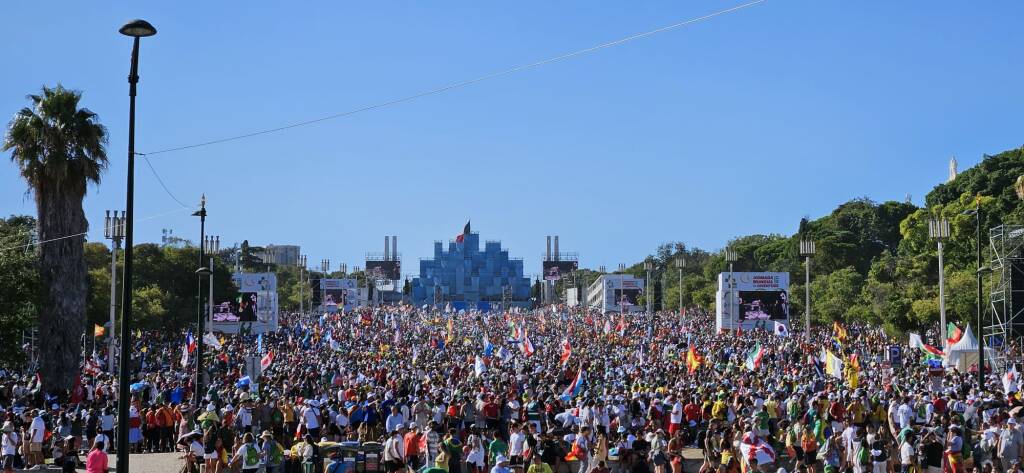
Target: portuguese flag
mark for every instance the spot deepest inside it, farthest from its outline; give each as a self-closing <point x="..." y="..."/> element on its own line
<point x="754" y="357"/>
<point x="954" y="333"/>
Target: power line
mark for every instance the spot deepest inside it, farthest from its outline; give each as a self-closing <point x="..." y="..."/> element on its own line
<point x="36" y="243"/>
<point x="161" y="181"/>
<point x="458" y="85"/>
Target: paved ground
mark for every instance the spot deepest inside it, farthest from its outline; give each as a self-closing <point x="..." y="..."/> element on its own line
<point x="171" y="462"/>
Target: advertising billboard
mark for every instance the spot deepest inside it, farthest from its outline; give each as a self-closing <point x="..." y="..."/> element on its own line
<point x="751" y="299"/>
<point x="254" y="303"/>
<point x="339" y="293"/>
<point x="384" y="270"/>
<point x="555" y="270"/>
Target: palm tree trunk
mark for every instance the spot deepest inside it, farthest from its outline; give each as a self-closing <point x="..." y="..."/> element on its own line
<point x="65" y="285"/>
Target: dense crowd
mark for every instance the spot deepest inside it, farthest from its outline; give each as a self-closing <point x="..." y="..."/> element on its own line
<point x="542" y="391"/>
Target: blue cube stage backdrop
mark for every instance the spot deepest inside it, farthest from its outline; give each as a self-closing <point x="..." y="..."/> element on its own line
<point x="468" y="278"/>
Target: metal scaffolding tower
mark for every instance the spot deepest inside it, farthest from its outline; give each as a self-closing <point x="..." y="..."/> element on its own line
<point x="1007" y="296"/>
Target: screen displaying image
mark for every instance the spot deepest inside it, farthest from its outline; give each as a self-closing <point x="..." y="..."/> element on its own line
<point x="627" y="297"/>
<point x="334" y="298"/>
<point x="763" y="305"/>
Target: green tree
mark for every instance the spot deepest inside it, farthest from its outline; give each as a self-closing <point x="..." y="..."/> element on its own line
<point x="19" y="286"/>
<point x="59" y="149"/>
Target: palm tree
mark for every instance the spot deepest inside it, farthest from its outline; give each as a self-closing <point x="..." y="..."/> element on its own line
<point x="59" y="149"/>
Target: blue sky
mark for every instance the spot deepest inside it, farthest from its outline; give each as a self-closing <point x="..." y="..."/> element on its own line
<point x="741" y="124"/>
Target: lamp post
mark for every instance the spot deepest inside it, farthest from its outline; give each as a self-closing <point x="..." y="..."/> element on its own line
<point x="976" y="212"/>
<point x="212" y="249"/>
<point x="939" y="230"/>
<point x="135" y="29"/>
<point x="201" y="213"/>
<point x="807" y="250"/>
<point x="680" y="264"/>
<point x="731" y="257"/>
<point x="113" y="230"/>
<point x="302" y="289"/>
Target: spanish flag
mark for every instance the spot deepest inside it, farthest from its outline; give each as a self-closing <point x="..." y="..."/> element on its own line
<point x="98" y="330"/>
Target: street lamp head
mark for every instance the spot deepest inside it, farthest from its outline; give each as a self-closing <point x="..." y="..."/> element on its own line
<point x="969" y="212"/>
<point x="807" y="247"/>
<point x="681" y="262"/>
<point x="730" y="255"/>
<point x="137" y="29"/>
<point x="203" y="271"/>
<point x="648" y="264"/>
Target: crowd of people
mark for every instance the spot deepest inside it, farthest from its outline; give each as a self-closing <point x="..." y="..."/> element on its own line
<point x="549" y="390"/>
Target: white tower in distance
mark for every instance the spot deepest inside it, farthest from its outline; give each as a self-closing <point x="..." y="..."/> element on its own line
<point x="952" y="169"/>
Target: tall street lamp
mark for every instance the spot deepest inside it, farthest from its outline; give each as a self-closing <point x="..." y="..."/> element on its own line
<point x="201" y="213"/>
<point x="136" y="29"/>
<point x="976" y="212"/>
<point x="649" y="266"/>
<point x="807" y="250"/>
<point x="302" y="291"/>
<point x="212" y="245"/>
<point x="939" y="230"/>
<point x="731" y="257"/>
<point x="113" y="230"/>
<point x="680" y="264"/>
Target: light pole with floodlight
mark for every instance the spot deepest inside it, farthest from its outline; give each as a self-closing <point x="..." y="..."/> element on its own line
<point x="807" y="250"/>
<point x="939" y="230"/>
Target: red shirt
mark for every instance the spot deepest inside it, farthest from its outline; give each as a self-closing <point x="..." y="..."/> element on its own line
<point x="490" y="410"/>
<point x="692" y="412"/>
<point x="412" y="444"/>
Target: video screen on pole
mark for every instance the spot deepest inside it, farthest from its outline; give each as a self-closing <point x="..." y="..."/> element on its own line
<point x="763" y="305"/>
<point x="242" y="309"/>
<point x="627" y="297"/>
<point x="555" y="270"/>
<point x="384" y="269"/>
<point x="254" y="300"/>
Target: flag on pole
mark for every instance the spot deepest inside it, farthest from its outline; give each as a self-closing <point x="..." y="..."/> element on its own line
<point x="479" y="367"/>
<point x="754" y="357"/>
<point x="693" y="360"/>
<point x="335" y="346"/>
<point x="259" y="343"/>
<point x="526" y="346"/>
<point x="781" y="329"/>
<point x="266" y="360"/>
<point x="488" y="347"/>
<point x="833" y="365"/>
<point x="953" y="333"/>
<point x="461" y="238"/>
<point x="1010" y="380"/>
<point x="98" y="330"/>
<point x="515" y="334"/>
<point x="451" y="333"/>
<point x="184" y="357"/>
<point x="621" y="326"/>
<point x="607" y="327"/>
<point x="566" y="352"/>
<point x="211" y="340"/>
<point x="576" y="386"/>
<point x="190" y="342"/>
<point x="504" y="354"/>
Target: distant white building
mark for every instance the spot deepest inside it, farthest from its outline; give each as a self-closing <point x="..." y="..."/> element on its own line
<point x="952" y="169"/>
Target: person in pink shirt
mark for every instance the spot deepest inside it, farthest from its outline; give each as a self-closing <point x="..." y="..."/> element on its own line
<point x="96" y="462"/>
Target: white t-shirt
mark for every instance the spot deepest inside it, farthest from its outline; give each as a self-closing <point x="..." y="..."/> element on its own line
<point x="515" y="443"/>
<point x="341" y="420"/>
<point x="677" y="413"/>
<point x="101" y="437"/>
<point x="10" y="444"/>
<point x="197" y="449"/>
<point x="310" y="416"/>
<point x="38" y="430"/>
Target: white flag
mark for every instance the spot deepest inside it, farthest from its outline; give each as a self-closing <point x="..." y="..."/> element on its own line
<point x="781" y="330"/>
<point x="184" y="357"/>
<point x="915" y="341"/>
<point x="479" y="367"/>
<point x="211" y="340"/>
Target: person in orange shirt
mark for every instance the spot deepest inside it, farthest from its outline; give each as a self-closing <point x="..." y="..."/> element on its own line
<point x="151" y="430"/>
<point x="165" y="419"/>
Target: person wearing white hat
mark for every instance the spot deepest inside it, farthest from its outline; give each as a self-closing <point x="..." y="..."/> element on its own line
<point x="501" y="465"/>
<point x="8" y="446"/>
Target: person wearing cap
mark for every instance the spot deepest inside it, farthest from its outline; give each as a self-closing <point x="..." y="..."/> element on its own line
<point x="500" y="465"/>
<point x="8" y="446"/>
<point x="394" y="455"/>
<point x="1009" y="444"/>
<point x="273" y="452"/>
<point x="413" y="440"/>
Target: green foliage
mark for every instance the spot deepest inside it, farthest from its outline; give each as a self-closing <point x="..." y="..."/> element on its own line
<point x="19" y="286"/>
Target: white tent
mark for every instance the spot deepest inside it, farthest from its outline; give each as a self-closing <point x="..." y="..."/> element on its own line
<point x="964" y="353"/>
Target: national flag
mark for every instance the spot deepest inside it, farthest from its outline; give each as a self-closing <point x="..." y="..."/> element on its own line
<point x="566" y="352"/>
<point x="223" y="357"/>
<point x="817" y="363"/>
<point x="335" y="346"/>
<point x="211" y="340"/>
<point x="266" y="360"/>
<point x="953" y="333"/>
<point x="853" y="372"/>
<point x="184" y="357"/>
<point x="461" y="238"/>
<point x="931" y="351"/>
<point x="479" y="367"/>
<point x="576" y="386"/>
<point x="781" y="329"/>
<point x="504" y="354"/>
<point x="754" y="357"/>
<point x="514" y="334"/>
<point x="92" y="367"/>
<point x="415" y="354"/>
<point x="607" y="327"/>
<point x="488" y="347"/>
<point x="1010" y="380"/>
<point x="621" y="326"/>
<point x="526" y="346"/>
<point x="259" y="343"/>
<point x="839" y="331"/>
<point x="451" y="332"/>
<point x="915" y="341"/>
<point x="190" y="342"/>
<point x="693" y="360"/>
<point x="98" y="330"/>
<point x="833" y="365"/>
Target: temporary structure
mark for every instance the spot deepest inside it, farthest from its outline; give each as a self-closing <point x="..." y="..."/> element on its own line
<point x="963" y="354"/>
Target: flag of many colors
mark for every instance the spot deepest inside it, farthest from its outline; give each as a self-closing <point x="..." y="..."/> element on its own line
<point x="754" y="357"/>
<point x="576" y="386"/>
<point x="190" y="342"/>
<point x="98" y="330"/>
<point x="488" y="347"/>
<point x="781" y="329"/>
<point x="953" y="333"/>
<point x="461" y="238"/>
<point x="266" y="360"/>
<point x="1010" y="380"/>
<point x="929" y="351"/>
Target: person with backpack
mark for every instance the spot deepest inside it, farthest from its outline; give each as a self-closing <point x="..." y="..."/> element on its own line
<point x="248" y="455"/>
<point x="273" y="453"/>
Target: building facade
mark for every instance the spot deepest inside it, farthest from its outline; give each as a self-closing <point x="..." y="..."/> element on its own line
<point x="282" y="255"/>
<point x="468" y="278"/>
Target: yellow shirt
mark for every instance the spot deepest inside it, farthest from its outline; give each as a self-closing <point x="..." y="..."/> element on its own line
<point x="539" y="468"/>
<point x="288" y="412"/>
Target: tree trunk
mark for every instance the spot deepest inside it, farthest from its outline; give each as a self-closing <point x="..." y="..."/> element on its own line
<point x="64" y="281"/>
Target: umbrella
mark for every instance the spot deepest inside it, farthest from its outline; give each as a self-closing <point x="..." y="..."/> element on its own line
<point x="136" y="387"/>
<point x="211" y="416"/>
<point x="184" y="438"/>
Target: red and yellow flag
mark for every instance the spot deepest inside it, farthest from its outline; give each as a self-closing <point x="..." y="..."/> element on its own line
<point x="98" y="330"/>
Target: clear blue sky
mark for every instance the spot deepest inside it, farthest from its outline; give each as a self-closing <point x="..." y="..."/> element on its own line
<point x="742" y="124"/>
